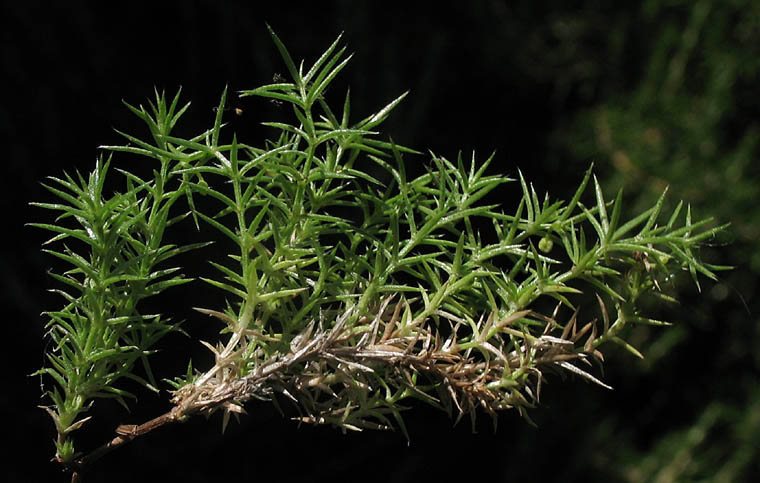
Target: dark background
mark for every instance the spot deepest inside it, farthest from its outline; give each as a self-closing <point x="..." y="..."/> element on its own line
<point x="654" y="93"/>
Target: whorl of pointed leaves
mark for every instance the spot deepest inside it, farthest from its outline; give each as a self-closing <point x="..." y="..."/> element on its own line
<point x="353" y="286"/>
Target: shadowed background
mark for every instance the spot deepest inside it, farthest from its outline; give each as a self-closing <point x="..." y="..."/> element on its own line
<point x="655" y="93"/>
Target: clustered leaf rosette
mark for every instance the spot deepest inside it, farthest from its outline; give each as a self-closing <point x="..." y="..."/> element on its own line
<point x="353" y="285"/>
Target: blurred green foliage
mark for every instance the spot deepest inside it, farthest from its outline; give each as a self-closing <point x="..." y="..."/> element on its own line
<point x="684" y="114"/>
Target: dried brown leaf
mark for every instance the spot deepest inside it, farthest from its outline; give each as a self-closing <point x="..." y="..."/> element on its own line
<point x="605" y="315"/>
<point x="570" y="326"/>
<point x="219" y="315"/>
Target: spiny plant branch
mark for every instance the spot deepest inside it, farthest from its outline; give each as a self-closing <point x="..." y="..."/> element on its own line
<point x="352" y="286"/>
<point x="308" y="372"/>
<point x="320" y="372"/>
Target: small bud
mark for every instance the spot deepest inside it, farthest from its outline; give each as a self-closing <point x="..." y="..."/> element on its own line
<point x="545" y="244"/>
